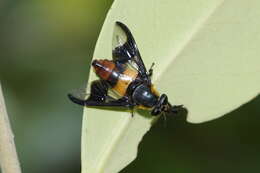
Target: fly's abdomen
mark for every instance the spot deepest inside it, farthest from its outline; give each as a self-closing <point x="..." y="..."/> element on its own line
<point x="107" y="71"/>
<point x="124" y="80"/>
<point x="103" y="68"/>
<point x="119" y="80"/>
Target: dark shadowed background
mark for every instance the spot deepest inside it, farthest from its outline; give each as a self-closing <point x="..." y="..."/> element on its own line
<point x="45" y="51"/>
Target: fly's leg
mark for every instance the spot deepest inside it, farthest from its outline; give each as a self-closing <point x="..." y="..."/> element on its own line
<point x="150" y="73"/>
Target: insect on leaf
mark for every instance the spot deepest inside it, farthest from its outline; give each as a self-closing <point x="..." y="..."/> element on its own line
<point x="206" y="56"/>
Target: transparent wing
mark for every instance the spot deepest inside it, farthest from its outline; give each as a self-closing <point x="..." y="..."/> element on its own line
<point x="125" y="49"/>
<point x="80" y="93"/>
<point x="98" y="96"/>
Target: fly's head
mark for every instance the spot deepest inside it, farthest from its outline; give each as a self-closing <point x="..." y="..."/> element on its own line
<point x="163" y="106"/>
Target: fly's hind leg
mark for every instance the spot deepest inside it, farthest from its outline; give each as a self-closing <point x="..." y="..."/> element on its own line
<point x="150" y="73"/>
<point x="132" y="111"/>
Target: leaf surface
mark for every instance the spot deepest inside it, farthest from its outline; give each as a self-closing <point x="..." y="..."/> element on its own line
<point x="206" y="56"/>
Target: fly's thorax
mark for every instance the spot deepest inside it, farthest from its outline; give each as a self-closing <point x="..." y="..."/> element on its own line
<point x="142" y="95"/>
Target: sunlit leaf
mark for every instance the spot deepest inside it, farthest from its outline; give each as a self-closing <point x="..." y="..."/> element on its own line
<point x="206" y="56"/>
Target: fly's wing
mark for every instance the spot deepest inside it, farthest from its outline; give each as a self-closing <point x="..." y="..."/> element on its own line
<point x="78" y="95"/>
<point x="98" y="97"/>
<point x="125" y="49"/>
<point x="98" y="91"/>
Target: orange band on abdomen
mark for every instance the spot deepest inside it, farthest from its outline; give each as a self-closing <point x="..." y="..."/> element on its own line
<point x="124" y="81"/>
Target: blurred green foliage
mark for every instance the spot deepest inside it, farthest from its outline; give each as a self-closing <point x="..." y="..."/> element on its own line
<point x="46" y="48"/>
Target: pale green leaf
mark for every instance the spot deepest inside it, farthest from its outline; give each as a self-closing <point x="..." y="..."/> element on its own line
<point x="206" y="56"/>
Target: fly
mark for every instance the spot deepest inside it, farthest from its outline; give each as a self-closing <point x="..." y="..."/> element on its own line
<point x="127" y="77"/>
